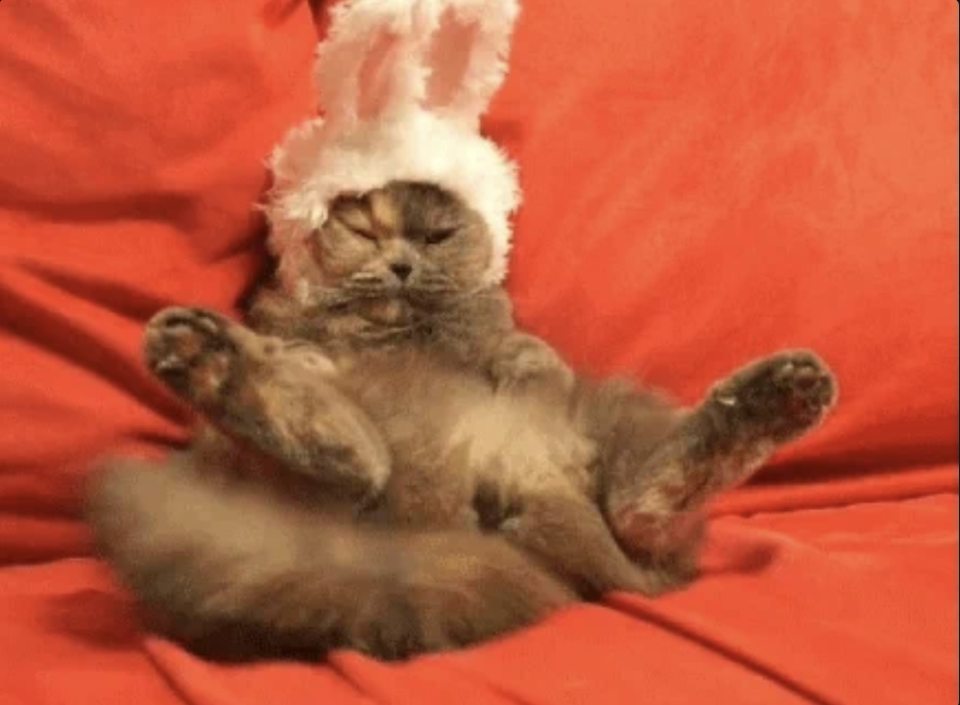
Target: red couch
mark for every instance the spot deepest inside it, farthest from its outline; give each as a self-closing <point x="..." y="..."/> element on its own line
<point x="705" y="182"/>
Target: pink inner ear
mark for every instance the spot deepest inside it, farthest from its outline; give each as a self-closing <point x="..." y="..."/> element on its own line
<point x="449" y="59"/>
<point x="375" y="78"/>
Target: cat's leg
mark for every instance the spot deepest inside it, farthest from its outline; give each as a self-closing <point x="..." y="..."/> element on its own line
<point x="429" y="490"/>
<point x="274" y="396"/>
<point x="655" y="499"/>
<point x="568" y="533"/>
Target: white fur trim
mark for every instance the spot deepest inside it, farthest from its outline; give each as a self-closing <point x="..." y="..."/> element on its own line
<point x="408" y="80"/>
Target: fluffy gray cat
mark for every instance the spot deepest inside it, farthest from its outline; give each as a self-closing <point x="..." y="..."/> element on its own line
<point x="394" y="467"/>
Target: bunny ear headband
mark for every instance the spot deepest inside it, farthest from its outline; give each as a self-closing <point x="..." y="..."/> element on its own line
<point x="403" y="84"/>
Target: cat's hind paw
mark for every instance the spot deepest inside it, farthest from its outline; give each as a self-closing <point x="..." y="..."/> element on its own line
<point x="780" y="397"/>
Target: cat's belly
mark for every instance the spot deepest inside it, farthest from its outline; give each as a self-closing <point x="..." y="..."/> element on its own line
<point x="514" y="440"/>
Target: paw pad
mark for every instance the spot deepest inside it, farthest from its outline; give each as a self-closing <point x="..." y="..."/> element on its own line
<point x="190" y="351"/>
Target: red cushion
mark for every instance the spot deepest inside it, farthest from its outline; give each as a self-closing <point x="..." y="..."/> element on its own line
<point x="133" y="142"/>
<point x="704" y="183"/>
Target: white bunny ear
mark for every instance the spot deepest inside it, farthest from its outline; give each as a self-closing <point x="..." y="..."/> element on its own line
<point x="370" y="64"/>
<point x="467" y="56"/>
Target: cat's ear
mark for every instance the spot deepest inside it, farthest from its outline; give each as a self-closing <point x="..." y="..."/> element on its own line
<point x="466" y="56"/>
<point x="371" y="63"/>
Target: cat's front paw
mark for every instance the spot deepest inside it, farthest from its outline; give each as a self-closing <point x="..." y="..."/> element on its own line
<point x="192" y="352"/>
<point x="523" y="359"/>
<point x="778" y="398"/>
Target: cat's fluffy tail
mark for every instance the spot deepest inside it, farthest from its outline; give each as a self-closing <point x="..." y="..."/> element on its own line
<point x="235" y="573"/>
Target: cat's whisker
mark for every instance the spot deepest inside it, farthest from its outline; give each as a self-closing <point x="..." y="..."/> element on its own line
<point x="429" y="290"/>
<point x="366" y="278"/>
<point x="435" y="279"/>
<point x="366" y="287"/>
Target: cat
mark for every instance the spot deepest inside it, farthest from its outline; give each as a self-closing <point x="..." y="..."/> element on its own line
<point x="389" y="464"/>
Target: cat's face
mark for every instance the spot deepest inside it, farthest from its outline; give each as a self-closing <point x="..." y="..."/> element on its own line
<point x="407" y="241"/>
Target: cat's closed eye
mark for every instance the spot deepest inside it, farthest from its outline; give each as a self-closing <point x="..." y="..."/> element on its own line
<point x="436" y="237"/>
<point x="355" y="228"/>
<point x="362" y="233"/>
<point x="357" y="232"/>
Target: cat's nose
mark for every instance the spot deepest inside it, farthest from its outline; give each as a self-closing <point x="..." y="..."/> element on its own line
<point x="402" y="270"/>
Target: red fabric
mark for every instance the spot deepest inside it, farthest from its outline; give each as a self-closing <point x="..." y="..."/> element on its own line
<point x="704" y="183"/>
<point x="133" y="142"/>
<point x="838" y="606"/>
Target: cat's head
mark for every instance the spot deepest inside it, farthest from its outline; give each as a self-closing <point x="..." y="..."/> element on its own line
<point x="408" y="241"/>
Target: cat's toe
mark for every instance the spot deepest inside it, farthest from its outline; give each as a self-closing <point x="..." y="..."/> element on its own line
<point x="806" y="384"/>
<point x="191" y="351"/>
<point x="196" y="319"/>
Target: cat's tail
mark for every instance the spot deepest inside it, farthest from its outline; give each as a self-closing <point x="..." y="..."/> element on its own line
<point x="235" y="573"/>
